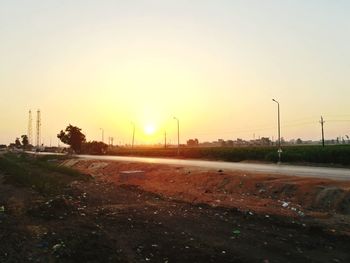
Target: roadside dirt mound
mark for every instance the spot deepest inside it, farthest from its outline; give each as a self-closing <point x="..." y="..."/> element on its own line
<point x="111" y="218"/>
<point x="333" y="198"/>
<point x="262" y="193"/>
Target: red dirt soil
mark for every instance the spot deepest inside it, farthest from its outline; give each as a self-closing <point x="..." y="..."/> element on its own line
<point x="175" y="214"/>
<point x="261" y="193"/>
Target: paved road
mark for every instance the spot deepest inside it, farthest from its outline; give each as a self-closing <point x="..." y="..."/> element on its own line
<point x="303" y="171"/>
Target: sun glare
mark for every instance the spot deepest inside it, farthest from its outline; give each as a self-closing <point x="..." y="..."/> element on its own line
<point x="149" y="129"/>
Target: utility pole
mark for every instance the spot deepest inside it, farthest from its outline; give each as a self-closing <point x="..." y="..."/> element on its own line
<point x="102" y="130"/>
<point x="322" y="122"/>
<point x="164" y="139"/>
<point x="279" y="151"/>
<point x="178" y="135"/>
<point x="133" y="134"/>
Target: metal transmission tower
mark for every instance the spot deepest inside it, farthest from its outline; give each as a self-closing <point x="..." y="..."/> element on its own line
<point x="30" y="128"/>
<point x="38" y="128"/>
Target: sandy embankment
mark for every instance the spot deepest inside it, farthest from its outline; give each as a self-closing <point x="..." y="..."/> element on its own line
<point x="259" y="193"/>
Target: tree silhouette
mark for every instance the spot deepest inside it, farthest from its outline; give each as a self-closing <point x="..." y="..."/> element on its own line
<point x="25" y="141"/>
<point x="73" y="137"/>
<point x="17" y="143"/>
<point x="94" y="147"/>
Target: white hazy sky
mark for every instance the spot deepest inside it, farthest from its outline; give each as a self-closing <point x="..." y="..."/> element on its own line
<point x="215" y="65"/>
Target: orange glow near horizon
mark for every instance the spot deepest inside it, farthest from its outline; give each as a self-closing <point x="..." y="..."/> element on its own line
<point x="215" y="66"/>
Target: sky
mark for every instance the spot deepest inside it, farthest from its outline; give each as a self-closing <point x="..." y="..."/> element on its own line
<point x="214" y="65"/>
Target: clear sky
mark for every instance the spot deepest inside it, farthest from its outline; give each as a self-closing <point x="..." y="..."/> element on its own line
<point x="215" y="65"/>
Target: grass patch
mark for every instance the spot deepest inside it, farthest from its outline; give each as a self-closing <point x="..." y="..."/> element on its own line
<point x="330" y="155"/>
<point x="42" y="174"/>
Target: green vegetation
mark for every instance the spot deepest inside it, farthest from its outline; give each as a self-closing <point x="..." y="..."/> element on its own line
<point x="72" y="136"/>
<point x="77" y="141"/>
<point x="331" y="155"/>
<point x="94" y="147"/>
<point x="42" y="173"/>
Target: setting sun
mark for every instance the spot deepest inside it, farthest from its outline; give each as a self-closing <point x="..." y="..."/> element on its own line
<point x="149" y="129"/>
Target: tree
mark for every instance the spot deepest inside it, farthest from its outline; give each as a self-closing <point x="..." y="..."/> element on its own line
<point x="192" y="142"/>
<point x="265" y="141"/>
<point x="3" y="146"/>
<point x="73" y="137"/>
<point x="17" y="143"/>
<point x="25" y="141"/>
<point x="94" y="147"/>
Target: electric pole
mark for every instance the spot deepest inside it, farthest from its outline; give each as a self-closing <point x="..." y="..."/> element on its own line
<point x="322" y="122"/>
<point x="165" y="139"/>
<point x="279" y="151"/>
<point x="133" y="134"/>
<point x="103" y="131"/>
<point x="178" y="135"/>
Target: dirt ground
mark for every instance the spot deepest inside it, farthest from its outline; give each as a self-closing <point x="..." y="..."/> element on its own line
<point x="176" y="214"/>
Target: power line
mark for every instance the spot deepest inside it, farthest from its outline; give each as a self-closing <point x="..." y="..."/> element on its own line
<point x="338" y="120"/>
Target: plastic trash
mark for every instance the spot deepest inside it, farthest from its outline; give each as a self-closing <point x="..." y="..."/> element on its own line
<point x="285" y="204"/>
<point x="236" y="232"/>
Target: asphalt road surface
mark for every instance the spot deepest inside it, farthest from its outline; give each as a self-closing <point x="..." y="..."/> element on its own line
<point x="281" y="169"/>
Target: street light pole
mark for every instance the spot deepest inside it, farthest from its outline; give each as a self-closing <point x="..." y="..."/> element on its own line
<point x="133" y="134"/>
<point x="279" y="131"/>
<point x="178" y="135"/>
<point x="102" y="134"/>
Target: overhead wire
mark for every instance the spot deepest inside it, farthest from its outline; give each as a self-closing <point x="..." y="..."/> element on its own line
<point x="294" y="123"/>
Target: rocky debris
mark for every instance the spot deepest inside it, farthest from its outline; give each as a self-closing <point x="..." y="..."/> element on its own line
<point x="235" y="189"/>
<point x="70" y="162"/>
<point x="58" y="207"/>
<point x="124" y="176"/>
<point x="332" y="198"/>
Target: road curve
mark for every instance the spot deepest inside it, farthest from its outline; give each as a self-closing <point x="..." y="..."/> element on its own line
<point x="280" y="169"/>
